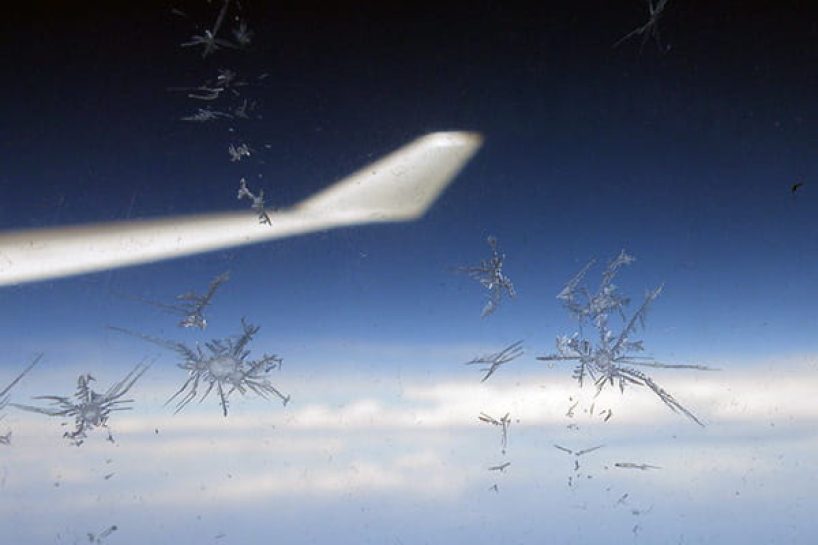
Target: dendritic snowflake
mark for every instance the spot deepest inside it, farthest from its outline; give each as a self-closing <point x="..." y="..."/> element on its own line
<point x="222" y="365"/>
<point x="613" y="358"/>
<point x="490" y="274"/>
<point x="4" y="396"/>
<point x="89" y="408"/>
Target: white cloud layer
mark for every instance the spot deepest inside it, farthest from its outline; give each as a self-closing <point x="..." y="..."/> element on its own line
<point x="416" y="437"/>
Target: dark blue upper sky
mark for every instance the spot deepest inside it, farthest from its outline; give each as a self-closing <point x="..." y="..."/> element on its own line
<point x="684" y="157"/>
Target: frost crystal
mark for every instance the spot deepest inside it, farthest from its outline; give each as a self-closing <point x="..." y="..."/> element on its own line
<point x="204" y="115"/>
<point x="242" y="34"/>
<point x="613" y="357"/>
<point x="651" y="28"/>
<point x="237" y="153"/>
<point x="89" y="408"/>
<point x="4" y="396"/>
<point x="490" y="274"/>
<point x="258" y="201"/>
<point x="191" y="305"/>
<point x="209" y="40"/>
<point x="98" y="538"/>
<point x="632" y="465"/>
<point x="494" y="361"/>
<point x="222" y="365"/>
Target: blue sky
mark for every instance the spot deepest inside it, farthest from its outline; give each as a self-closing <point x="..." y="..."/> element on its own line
<point x="684" y="158"/>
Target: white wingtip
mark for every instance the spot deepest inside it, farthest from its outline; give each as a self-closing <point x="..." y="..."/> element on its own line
<point x="402" y="185"/>
<point x="399" y="187"/>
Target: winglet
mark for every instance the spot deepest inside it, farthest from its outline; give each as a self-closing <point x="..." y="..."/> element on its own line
<point x="399" y="187"/>
<point x="402" y="185"/>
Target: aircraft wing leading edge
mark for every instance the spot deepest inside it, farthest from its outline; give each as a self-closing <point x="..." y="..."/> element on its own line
<point x="398" y="187"/>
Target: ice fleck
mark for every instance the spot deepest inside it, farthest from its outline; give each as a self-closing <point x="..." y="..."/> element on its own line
<point x="89" y="408"/>
<point x="490" y="274"/>
<point x="237" y="153"/>
<point x="631" y="465"/>
<point x="503" y="422"/>
<point x="5" y="439"/>
<point x="242" y="34"/>
<point x="203" y="115"/>
<point x="209" y="40"/>
<point x="97" y="538"/>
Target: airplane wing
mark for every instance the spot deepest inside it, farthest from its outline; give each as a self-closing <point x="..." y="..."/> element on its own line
<point x="398" y="187"/>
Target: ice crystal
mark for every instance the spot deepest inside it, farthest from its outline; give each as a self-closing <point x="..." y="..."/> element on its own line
<point x="258" y="201"/>
<point x="204" y="115"/>
<point x="573" y="480"/>
<point x="226" y="78"/>
<point x="490" y="274"/>
<point x="203" y="92"/>
<point x="503" y="422"/>
<point x="237" y="153"/>
<point x="242" y="34"/>
<point x="632" y="465"/>
<point x="89" y="408"/>
<point x="209" y="39"/>
<point x="98" y="538"/>
<point x="613" y="358"/>
<point x="651" y="28"/>
<point x="495" y="360"/>
<point x="241" y="110"/>
<point x="4" y="395"/>
<point x="222" y="365"/>
<point x="191" y="306"/>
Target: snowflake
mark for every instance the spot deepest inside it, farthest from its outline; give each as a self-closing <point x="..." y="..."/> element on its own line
<point x="490" y="274"/>
<point x="613" y="358"/>
<point x="4" y="397"/>
<point x="89" y="408"/>
<point x="222" y="365"/>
